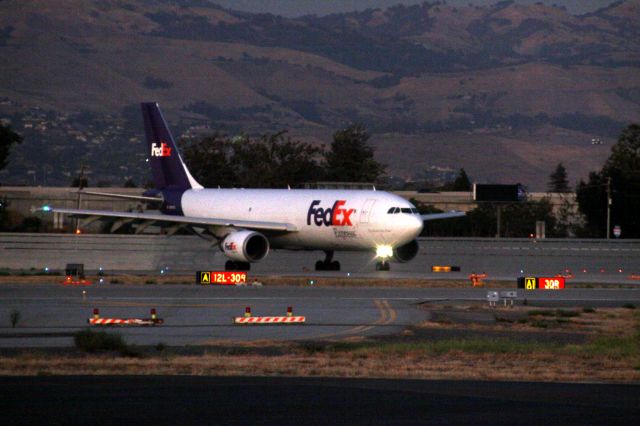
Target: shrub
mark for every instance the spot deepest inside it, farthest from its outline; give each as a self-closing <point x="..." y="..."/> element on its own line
<point x="96" y="341"/>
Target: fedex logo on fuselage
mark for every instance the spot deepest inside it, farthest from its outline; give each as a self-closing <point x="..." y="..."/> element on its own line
<point x="160" y="151"/>
<point x="336" y="215"/>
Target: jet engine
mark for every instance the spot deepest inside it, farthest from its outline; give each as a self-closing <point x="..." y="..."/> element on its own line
<point x="245" y="246"/>
<point x="406" y="252"/>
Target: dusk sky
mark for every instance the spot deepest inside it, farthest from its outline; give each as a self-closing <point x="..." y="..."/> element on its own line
<point x="292" y="8"/>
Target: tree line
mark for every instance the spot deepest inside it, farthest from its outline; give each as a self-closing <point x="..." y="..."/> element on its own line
<point x="277" y="160"/>
<point x="618" y="181"/>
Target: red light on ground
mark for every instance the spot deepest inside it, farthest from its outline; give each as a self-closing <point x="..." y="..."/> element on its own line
<point x="78" y="231"/>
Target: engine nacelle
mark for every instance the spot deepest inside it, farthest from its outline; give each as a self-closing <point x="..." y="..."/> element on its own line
<point x="406" y="252"/>
<point x="245" y="246"/>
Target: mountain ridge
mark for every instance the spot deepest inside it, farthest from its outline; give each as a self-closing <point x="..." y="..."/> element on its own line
<point x="430" y="79"/>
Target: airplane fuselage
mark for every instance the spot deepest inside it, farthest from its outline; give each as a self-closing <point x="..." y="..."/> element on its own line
<point x="323" y="219"/>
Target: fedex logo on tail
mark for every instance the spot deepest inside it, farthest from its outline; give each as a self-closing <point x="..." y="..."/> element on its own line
<point x="163" y="150"/>
<point x="336" y="215"/>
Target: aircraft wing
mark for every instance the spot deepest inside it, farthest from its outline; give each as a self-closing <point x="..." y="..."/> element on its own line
<point x="186" y="220"/>
<point x="445" y="215"/>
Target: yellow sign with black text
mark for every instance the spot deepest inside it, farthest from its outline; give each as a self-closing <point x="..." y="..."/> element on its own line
<point x="530" y="283"/>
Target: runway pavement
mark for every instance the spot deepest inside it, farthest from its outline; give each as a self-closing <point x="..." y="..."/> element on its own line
<point x="282" y="401"/>
<point x="198" y="315"/>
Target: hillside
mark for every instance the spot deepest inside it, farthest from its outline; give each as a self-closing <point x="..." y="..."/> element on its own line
<point x="505" y="91"/>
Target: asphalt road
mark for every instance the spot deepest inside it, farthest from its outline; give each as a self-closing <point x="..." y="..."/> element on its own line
<point x="198" y="315"/>
<point x="260" y="400"/>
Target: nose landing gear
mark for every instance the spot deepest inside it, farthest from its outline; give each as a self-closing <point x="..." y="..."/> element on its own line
<point x="328" y="264"/>
<point x="383" y="265"/>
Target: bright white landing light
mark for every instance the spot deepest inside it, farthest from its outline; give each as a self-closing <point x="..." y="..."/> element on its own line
<point x="384" y="251"/>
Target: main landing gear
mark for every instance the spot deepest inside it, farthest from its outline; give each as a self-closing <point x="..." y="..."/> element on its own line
<point x="328" y="264"/>
<point x="383" y="265"/>
<point x="233" y="265"/>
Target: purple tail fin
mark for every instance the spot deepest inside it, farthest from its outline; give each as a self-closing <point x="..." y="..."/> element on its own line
<point x="169" y="171"/>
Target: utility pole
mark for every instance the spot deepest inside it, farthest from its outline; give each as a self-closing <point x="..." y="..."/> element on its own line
<point x="608" y="206"/>
<point x="80" y="187"/>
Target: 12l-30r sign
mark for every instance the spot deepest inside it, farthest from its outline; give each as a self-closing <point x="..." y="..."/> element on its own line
<point x="221" y="277"/>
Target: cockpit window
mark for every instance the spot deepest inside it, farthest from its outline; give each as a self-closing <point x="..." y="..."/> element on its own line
<point x="396" y="210"/>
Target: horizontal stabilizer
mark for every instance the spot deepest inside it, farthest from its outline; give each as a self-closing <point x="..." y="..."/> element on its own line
<point x="122" y="196"/>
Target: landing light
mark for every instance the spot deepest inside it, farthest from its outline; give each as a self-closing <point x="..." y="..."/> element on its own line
<point x="384" y="251"/>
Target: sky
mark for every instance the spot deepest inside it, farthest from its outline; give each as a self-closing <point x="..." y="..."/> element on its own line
<point x="293" y="8"/>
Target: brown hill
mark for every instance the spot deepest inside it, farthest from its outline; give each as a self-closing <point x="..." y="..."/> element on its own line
<point x="505" y="91"/>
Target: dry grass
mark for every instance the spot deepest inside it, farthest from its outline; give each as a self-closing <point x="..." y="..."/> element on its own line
<point x="538" y="366"/>
<point x="603" y="321"/>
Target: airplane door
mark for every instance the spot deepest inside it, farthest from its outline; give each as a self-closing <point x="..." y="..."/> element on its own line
<point x="367" y="207"/>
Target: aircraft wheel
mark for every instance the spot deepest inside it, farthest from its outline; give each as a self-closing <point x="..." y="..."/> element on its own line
<point x="335" y="265"/>
<point x="230" y="265"/>
<point x="320" y="265"/>
<point x="243" y="266"/>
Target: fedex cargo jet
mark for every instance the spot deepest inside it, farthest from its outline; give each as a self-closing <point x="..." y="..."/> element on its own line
<point x="247" y="223"/>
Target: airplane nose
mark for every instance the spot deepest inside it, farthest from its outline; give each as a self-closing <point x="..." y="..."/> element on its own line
<point x="415" y="225"/>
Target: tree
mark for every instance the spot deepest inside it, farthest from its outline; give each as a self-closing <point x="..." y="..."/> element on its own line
<point x="7" y="139"/>
<point x="79" y="182"/>
<point x="350" y="158"/>
<point x="210" y="160"/>
<point x="622" y="172"/>
<point x="130" y="183"/>
<point x="461" y="183"/>
<point x="273" y="160"/>
<point x="558" y="181"/>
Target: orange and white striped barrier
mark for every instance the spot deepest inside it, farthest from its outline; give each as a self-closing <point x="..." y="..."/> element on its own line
<point x="121" y="321"/>
<point x="96" y="320"/>
<point x="269" y="320"/>
<point x="288" y="319"/>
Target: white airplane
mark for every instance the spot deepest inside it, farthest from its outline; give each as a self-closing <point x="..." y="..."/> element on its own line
<point x="247" y="223"/>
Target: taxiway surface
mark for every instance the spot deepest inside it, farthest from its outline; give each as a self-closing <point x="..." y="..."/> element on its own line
<point x="199" y="315"/>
